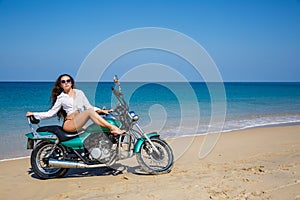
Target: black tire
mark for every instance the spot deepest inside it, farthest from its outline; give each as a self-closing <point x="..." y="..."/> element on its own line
<point x="152" y="162"/>
<point x="39" y="162"/>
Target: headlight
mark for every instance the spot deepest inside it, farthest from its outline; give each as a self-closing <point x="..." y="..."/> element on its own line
<point x="133" y="116"/>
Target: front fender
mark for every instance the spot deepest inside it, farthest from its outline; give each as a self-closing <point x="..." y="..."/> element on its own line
<point x="138" y="144"/>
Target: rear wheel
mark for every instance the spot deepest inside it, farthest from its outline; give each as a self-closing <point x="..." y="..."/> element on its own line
<point x="155" y="162"/>
<point x="40" y="158"/>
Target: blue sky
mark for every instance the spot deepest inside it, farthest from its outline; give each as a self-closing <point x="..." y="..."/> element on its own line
<point x="250" y="40"/>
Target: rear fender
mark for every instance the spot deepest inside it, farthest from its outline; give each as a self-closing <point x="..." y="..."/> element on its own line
<point x="74" y="143"/>
<point x="138" y="144"/>
<point x="42" y="136"/>
<point x="46" y="136"/>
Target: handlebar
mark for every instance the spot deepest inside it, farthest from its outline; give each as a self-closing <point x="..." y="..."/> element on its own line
<point x="33" y="120"/>
<point x="122" y="104"/>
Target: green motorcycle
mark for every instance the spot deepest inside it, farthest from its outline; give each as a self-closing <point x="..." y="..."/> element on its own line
<point x="55" y="151"/>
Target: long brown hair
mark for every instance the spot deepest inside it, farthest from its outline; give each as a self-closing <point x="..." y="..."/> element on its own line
<point x="57" y="90"/>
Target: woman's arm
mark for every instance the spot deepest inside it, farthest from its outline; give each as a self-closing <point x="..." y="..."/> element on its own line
<point x="50" y="113"/>
<point x="87" y="104"/>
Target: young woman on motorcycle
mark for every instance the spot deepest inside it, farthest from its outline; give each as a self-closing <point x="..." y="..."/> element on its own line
<point x="72" y="105"/>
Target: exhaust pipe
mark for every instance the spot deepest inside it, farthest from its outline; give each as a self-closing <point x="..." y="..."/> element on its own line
<point x="69" y="164"/>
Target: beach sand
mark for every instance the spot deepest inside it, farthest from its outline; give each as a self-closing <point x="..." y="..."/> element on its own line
<point x="260" y="163"/>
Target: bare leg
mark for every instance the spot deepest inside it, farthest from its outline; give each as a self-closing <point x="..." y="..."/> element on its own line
<point x="81" y="118"/>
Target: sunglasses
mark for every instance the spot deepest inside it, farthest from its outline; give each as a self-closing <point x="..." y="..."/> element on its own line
<point x="66" y="81"/>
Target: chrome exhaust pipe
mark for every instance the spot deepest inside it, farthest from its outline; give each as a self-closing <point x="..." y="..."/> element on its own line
<point x="69" y="164"/>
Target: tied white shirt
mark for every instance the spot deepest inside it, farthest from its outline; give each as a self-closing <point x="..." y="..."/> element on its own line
<point x="69" y="104"/>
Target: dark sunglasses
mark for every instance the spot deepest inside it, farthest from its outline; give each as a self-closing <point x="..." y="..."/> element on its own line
<point x="66" y="81"/>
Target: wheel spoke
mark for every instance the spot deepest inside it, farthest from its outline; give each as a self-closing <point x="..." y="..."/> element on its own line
<point x="153" y="161"/>
<point x="40" y="157"/>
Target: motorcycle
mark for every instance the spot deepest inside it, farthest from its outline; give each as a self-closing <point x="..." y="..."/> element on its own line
<point x="55" y="151"/>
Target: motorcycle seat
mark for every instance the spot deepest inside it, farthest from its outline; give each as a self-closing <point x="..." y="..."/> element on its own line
<point x="59" y="132"/>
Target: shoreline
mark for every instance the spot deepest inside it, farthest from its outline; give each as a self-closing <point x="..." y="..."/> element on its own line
<point x="256" y="163"/>
<point x="12" y="159"/>
<point x="283" y="124"/>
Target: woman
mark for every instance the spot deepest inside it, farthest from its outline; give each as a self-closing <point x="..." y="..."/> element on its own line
<point x="72" y="105"/>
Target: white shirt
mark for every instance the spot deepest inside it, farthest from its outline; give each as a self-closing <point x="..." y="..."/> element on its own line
<point x="69" y="104"/>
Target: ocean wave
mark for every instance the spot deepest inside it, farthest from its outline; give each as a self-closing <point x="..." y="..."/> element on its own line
<point x="232" y="124"/>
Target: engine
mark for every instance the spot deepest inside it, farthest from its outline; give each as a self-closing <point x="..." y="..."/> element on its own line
<point x="99" y="147"/>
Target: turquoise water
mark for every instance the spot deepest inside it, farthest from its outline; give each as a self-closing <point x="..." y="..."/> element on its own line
<point x="247" y="105"/>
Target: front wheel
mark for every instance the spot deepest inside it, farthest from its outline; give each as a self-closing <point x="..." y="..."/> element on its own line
<point x="40" y="157"/>
<point x="155" y="162"/>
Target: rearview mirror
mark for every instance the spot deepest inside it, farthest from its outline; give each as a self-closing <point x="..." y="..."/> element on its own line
<point x="116" y="80"/>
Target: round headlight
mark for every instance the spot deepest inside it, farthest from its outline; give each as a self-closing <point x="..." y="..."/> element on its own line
<point x="135" y="118"/>
<point x="132" y="114"/>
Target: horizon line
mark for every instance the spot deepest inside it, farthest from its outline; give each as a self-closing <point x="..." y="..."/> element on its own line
<point x="192" y="81"/>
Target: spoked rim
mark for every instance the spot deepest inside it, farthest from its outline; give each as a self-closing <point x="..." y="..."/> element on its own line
<point x="157" y="161"/>
<point x="42" y="160"/>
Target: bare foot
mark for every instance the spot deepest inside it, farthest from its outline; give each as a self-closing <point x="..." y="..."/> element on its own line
<point x="117" y="131"/>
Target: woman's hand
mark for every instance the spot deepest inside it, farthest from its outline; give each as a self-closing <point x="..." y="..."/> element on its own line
<point x="28" y="114"/>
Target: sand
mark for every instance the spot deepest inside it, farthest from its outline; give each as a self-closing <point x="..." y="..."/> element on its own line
<point x="261" y="163"/>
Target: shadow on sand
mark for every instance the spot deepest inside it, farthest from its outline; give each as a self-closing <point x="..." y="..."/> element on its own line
<point x="116" y="170"/>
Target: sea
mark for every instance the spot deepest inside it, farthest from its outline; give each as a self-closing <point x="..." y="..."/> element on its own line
<point x="173" y="109"/>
